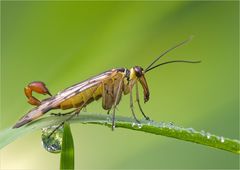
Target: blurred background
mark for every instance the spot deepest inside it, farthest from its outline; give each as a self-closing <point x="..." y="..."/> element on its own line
<point x="62" y="43"/>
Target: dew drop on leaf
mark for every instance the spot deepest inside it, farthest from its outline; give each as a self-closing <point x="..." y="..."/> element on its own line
<point x="52" y="143"/>
<point x="170" y="125"/>
<point x="139" y="125"/>
<point x="203" y="133"/>
<point x="162" y="125"/>
<point x="208" y="135"/>
<point x="191" y="130"/>
<point x="222" y="139"/>
<point x="134" y="124"/>
<point x="150" y="122"/>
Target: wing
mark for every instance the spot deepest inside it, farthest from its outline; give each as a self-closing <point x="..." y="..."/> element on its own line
<point x="67" y="93"/>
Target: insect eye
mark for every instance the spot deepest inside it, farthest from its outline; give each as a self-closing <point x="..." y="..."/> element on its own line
<point x="138" y="71"/>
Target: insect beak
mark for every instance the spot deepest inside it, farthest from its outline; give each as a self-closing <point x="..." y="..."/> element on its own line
<point x="146" y="93"/>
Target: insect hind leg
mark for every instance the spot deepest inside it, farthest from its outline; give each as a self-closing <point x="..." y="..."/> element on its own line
<point x="76" y="112"/>
<point x="139" y="105"/>
<point x="63" y="114"/>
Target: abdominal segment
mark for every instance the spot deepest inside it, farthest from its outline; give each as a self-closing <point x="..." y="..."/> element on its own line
<point x="83" y="98"/>
<point x="107" y="89"/>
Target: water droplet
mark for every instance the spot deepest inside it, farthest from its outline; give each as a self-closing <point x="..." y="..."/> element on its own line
<point x="203" y="133"/>
<point x="162" y="124"/>
<point x="170" y="125"/>
<point x="208" y="135"/>
<point x="139" y="125"/>
<point x="150" y="122"/>
<point x="134" y="124"/>
<point x="191" y="130"/>
<point x="52" y="143"/>
<point x="222" y="139"/>
<point x="180" y="129"/>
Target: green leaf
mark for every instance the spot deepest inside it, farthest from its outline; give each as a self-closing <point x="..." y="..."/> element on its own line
<point x="67" y="154"/>
<point x="165" y="129"/>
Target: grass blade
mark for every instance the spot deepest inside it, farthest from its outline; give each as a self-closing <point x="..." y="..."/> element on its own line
<point x="165" y="129"/>
<point x="67" y="153"/>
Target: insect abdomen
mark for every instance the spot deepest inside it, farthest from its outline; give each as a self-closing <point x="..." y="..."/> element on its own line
<point x="85" y="97"/>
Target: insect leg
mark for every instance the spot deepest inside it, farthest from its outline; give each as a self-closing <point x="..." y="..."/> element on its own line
<point x="131" y="106"/>
<point x="115" y="102"/>
<point x="108" y="95"/>
<point x="138" y="101"/>
<point x="76" y="111"/>
<point x="62" y="114"/>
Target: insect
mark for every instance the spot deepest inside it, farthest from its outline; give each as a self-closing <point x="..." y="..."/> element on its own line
<point x="109" y="85"/>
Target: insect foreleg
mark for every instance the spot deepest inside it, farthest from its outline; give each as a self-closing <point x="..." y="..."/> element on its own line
<point x="138" y="101"/>
<point x="131" y="106"/>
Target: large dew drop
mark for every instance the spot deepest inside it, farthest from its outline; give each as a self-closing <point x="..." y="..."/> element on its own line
<point x="52" y="143"/>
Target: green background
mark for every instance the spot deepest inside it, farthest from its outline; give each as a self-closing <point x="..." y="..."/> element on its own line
<point x="62" y="43"/>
